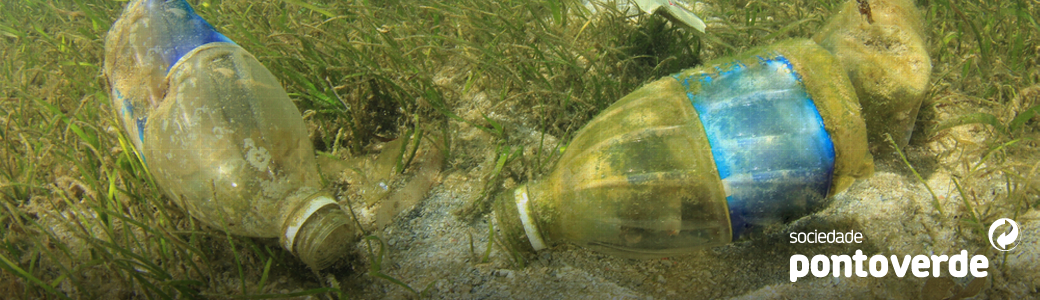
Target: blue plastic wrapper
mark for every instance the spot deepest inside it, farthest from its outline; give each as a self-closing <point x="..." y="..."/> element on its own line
<point x="767" y="138"/>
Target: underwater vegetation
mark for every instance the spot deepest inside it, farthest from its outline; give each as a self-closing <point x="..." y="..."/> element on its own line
<point x="500" y="87"/>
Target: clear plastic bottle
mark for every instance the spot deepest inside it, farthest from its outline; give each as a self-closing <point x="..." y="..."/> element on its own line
<point x="696" y="159"/>
<point x="219" y="133"/>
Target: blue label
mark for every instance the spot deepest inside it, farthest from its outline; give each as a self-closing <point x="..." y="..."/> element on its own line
<point x="773" y="155"/>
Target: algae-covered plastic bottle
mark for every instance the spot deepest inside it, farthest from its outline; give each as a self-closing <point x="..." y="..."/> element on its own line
<point x="698" y="158"/>
<point x="219" y="133"/>
<point x="881" y="45"/>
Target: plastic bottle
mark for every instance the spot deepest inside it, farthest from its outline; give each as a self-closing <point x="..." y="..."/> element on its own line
<point x="219" y="133"/>
<point x="696" y="159"/>
<point x="881" y="45"/>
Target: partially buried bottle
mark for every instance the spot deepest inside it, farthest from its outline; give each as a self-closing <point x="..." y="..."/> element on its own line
<point x="698" y="158"/>
<point x="219" y="133"/>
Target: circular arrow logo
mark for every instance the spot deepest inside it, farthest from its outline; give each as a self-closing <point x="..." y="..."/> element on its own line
<point x="1005" y="238"/>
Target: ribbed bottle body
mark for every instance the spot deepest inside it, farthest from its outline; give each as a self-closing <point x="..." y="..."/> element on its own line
<point x="637" y="180"/>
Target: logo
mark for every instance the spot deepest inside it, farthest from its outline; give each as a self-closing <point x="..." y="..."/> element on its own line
<point x="878" y="265"/>
<point x="1005" y="238"/>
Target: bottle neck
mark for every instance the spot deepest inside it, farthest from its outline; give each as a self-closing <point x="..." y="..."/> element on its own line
<point x="516" y="221"/>
<point x="523" y="208"/>
<point x="319" y="232"/>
